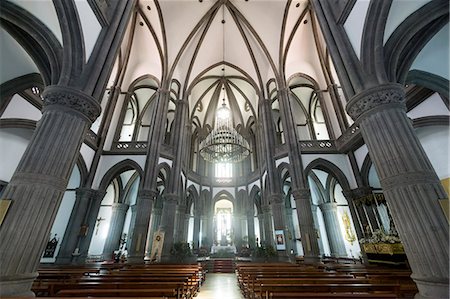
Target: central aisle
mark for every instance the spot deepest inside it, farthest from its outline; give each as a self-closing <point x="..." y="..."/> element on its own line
<point x="220" y="286"/>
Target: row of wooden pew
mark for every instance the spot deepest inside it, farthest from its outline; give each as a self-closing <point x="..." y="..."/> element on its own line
<point x="151" y="281"/>
<point x="289" y="281"/>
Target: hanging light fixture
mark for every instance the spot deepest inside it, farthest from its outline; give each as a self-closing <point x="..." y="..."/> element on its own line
<point x="224" y="143"/>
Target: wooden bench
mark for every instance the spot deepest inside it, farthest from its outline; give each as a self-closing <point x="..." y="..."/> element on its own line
<point x="276" y="290"/>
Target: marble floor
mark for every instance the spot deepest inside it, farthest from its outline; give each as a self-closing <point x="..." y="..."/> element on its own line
<point x="220" y="286"/>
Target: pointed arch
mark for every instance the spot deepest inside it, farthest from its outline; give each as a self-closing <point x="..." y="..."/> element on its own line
<point x="117" y="169"/>
<point x="329" y="167"/>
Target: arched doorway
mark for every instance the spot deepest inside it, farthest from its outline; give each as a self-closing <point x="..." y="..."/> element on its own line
<point x="223" y="222"/>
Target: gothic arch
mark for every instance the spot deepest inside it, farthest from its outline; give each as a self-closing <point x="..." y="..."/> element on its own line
<point x="117" y="169"/>
<point x="329" y="167"/>
<point x="255" y="199"/>
<point x="36" y="39"/>
<point x="227" y="194"/>
<point x="411" y="36"/>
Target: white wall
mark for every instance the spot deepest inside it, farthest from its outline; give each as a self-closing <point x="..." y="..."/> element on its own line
<point x="13" y="142"/>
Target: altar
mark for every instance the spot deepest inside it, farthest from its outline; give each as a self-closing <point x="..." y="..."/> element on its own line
<point x="228" y="249"/>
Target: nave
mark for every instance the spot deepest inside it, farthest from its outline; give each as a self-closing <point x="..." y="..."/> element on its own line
<point x="251" y="281"/>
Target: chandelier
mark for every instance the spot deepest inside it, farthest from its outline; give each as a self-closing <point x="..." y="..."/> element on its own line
<point x="224" y="143"/>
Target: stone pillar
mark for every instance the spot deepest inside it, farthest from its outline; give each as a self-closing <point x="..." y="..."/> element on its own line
<point x="204" y="221"/>
<point x="251" y="228"/>
<point x="330" y="217"/>
<point x="410" y="184"/>
<point x="279" y="221"/>
<point x="237" y="229"/>
<point x="87" y="203"/>
<point x="119" y="212"/>
<point x="144" y="205"/>
<point x="132" y="223"/>
<point x="317" y="228"/>
<point x="167" y="224"/>
<point x="155" y="222"/>
<point x="196" y="237"/>
<point x="306" y="222"/>
<point x="38" y="185"/>
<point x="268" y="225"/>
<point x="180" y="223"/>
<point x="262" y="234"/>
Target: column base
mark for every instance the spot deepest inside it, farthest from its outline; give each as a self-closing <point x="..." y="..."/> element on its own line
<point x="136" y="259"/>
<point x="432" y="289"/>
<point x="18" y="285"/>
<point x="63" y="260"/>
<point x="311" y="259"/>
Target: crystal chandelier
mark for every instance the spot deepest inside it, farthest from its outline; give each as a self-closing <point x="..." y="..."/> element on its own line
<point x="224" y="143"/>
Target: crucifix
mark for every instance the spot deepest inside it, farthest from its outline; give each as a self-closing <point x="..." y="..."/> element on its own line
<point x="99" y="219"/>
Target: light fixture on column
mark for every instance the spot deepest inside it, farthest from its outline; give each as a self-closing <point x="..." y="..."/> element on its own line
<point x="224" y="143"/>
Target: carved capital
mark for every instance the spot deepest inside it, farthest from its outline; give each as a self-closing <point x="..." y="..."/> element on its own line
<point x="357" y="193"/>
<point x="301" y="194"/>
<point x="90" y="194"/>
<point x="266" y="208"/>
<point x="64" y="97"/>
<point x="147" y="194"/>
<point x="382" y="95"/>
<point x="275" y="198"/>
<point x="171" y="198"/>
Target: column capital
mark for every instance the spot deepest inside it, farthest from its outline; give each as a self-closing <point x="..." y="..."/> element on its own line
<point x="386" y="95"/>
<point x="119" y="206"/>
<point x="356" y="193"/>
<point x="275" y="198"/>
<point x="265" y="208"/>
<point x="328" y="206"/>
<point x="90" y="193"/>
<point x="67" y="98"/>
<point x="171" y="197"/>
<point x="147" y="194"/>
<point x="299" y="194"/>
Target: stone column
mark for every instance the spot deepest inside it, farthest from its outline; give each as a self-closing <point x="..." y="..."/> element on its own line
<point x="330" y="217"/>
<point x="251" y="228"/>
<point x="87" y="202"/>
<point x="316" y="226"/>
<point x="167" y="224"/>
<point x="38" y="185"/>
<point x="237" y="229"/>
<point x="268" y="225"/>
<point x="306" y="222"/>
<point x="144" y="205"/>
<point x="204" y="221"/>
<point x="279" y="222"/>
<point x="119" y="212"/>
<point x="155" y="220"/>
<point x="262" y="234"/>
<point x="132" y="223"/>
<point x="180" y="223"/>
<point x="410" y="184"/>
<point x="196" y="237"/>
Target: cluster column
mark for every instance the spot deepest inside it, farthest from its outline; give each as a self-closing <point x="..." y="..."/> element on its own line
<point x="306" y="222"/>
<point x="38" y="185"/>
<point x="167" y="224"/>
<point x="119" y="212"/>
<point x="410" y="184"/>
<point x="78" y="235"/>
<point x="333" y="228"/>
<point x="136" y="251"/>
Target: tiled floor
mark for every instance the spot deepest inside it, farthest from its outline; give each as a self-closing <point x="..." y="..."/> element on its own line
<point x="220" y="286"/>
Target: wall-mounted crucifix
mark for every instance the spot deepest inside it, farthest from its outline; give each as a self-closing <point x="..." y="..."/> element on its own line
<point x="97" y="226"/>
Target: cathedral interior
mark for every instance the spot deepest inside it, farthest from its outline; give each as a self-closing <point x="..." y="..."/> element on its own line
<point x="159" y="129"/>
